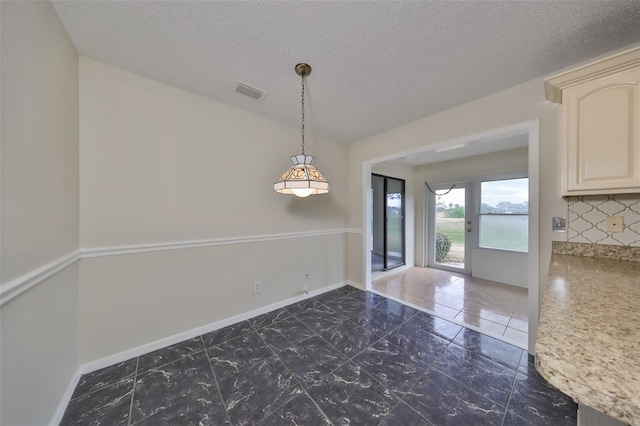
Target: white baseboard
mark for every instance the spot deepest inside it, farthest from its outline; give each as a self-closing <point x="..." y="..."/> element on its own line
<point x="66" y="397"/>
<point x="384" y="274"/>
<point x="190" y="334"/>
<point x="356" y="285"/>
<point x="177" y="338"/>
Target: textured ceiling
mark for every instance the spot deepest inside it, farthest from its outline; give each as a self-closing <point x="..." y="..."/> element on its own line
<point x="376" y="65"/>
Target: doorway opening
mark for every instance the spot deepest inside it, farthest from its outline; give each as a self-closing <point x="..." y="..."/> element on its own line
<point x="387" y="223"/>
<point x="495" y="140"/>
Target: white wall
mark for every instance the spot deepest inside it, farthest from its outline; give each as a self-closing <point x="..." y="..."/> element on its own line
<point x="130" y="300"/>
<point x="40" y="352"/>
<point x="518" y="104"/>
<point x="162" y="165"/>
<point x="39" y="138"/>
<point x="39" y="213"/>
<point x="502" y="266"/>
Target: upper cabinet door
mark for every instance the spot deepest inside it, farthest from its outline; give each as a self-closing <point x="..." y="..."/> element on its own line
<point x="601" y="137"/>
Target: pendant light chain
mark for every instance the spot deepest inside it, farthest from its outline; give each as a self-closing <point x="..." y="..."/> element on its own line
<point x="303" y="178"/>
<point x="303" y="114"/>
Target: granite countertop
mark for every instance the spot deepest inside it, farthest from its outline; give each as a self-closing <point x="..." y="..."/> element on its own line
<point x="588" y="342"/>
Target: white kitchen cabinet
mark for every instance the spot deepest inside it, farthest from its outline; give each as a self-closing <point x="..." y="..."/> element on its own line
<point x="601" y="126"/>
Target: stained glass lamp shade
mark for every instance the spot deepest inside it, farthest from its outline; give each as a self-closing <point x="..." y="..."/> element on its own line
<point x="302" y="179"/>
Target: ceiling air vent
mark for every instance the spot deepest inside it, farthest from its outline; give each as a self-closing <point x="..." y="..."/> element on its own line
<point x="250" y="92"/>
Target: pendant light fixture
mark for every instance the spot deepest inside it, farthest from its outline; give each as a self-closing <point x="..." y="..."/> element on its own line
<point x="302" y="179"/>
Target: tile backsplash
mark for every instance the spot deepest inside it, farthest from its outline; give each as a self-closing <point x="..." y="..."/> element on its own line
<point x="586" y="222"/>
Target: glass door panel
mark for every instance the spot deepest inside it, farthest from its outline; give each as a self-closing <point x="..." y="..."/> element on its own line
<point x="387" y="223"/>
<point x="377" y="223"/>
<point x="451" y="226"/>
<point x="394" y="229"/>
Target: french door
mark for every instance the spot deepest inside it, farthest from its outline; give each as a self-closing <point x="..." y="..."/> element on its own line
<point x="450" y="226"/>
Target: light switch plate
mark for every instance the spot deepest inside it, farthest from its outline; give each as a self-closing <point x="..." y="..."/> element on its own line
<point x="615" y="224"/>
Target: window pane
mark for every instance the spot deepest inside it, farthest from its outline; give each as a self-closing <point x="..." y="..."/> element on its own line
<point x="505" y="232"/>
<point x="505" y="196"/>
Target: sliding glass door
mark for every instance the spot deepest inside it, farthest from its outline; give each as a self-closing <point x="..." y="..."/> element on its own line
<point x="387" y="195"/>
<point x="394" y="229"/>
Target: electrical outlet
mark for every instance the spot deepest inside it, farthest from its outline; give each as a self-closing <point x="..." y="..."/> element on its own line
<point x="257" y="286"/>
<point x="615" y="224"/>
<point x="306" y="284"/>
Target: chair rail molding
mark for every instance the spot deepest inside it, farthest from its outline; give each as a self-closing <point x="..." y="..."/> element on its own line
<point x="24" y="282"/>
<point x="176" y="245"/>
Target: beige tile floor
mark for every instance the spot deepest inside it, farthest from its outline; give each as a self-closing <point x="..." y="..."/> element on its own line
<point x="497" y="309"/>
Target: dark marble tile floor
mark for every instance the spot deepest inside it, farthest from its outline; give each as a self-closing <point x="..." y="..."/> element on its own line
<point x="346" y="357"/>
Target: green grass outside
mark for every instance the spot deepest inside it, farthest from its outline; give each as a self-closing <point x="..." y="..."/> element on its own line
<point x="452" y="228"/>
<point x="499" y="232"/>
<point x="505" y="232"/>
<point x="394" y="234"/>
